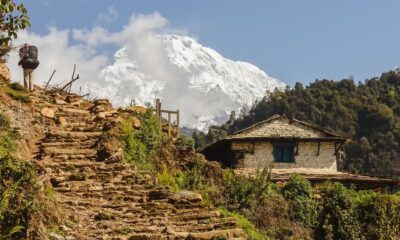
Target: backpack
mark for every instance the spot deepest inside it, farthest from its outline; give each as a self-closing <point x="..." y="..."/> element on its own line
<point x="29" y="56"/>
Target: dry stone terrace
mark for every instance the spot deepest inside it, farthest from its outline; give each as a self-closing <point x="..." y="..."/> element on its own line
<point x="107" y="198"/>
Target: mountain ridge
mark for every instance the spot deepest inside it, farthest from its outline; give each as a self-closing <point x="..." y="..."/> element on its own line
<point x="196" y="79"/>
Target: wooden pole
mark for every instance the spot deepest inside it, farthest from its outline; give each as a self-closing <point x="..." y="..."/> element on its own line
<point x="177" y="123"/>
<point x="48" y="82"/>
<point x="169" y="124"/>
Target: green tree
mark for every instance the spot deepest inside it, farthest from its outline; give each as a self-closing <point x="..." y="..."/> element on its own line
<point x="13" y="17"/>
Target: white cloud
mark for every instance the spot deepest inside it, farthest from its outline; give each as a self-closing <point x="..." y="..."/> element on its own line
<point x="158" y="76"/>
<point x="109" y="17"/>
<point x="57" y="52"/>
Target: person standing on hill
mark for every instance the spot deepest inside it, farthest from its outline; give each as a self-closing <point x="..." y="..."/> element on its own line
<point x="29" y="61"/>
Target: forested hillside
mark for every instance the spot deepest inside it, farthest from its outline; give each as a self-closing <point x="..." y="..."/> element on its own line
<point x="368" y="113"/>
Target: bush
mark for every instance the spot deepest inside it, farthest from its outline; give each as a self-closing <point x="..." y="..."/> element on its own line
<point x="298" y="191"/>
<point x="246" y="225"/>
<point x="140" y="145"/>
<point x="195" y="178"/>
<point x="239" y="192"/>
<point x="380" y="215"/>
<point x="338" y="218"/>
<point x="17" y="92"/>
<point x="185" y="144"/>
<point x="17" y="86"/>
<point x="169" y="179"/>
<point x="17" y="190"/>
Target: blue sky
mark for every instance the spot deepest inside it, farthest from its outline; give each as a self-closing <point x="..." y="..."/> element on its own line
<point x="290" y="40"/>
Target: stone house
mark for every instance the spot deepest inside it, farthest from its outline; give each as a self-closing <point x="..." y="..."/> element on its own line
<point x="287" y="146"/>
<point x="279" y="142"/>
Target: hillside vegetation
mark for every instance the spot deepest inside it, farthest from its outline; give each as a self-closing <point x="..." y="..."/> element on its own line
<point x="368" y="113"/>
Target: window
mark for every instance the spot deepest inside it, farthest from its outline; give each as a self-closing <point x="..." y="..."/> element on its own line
<point x="284" y="152"/>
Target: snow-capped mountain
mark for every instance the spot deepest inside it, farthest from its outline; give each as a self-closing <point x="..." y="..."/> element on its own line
<point x="185" y="75"/>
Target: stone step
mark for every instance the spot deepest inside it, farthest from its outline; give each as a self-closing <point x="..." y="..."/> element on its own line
<point x="56" y="151"/>
<point x="75" y="135"/>
<point x="89" y="144"/>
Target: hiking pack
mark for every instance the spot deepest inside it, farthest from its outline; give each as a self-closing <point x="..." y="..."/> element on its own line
<point x="29" y="57"/>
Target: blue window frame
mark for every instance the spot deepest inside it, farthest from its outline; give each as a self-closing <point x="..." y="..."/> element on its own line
<point x="284" y="152"/>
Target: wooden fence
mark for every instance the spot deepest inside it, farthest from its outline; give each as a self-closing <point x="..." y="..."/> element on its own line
<point x="171" y="127"/>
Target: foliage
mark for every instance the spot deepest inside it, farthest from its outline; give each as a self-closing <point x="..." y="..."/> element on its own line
<point x="169" y="179"/>
<point x="196" y="177"/>
<point x="185" y="144"/>
<point x="241" y="192"/>
<point x="7" y="137"/>
<point x="17" y="186"/>
<point x="368" y="113"/>
<point x="298" y="191"/>
<point x="15" y="91"/>
<point x="13" y="17"/>
<point x="252" y="232"/>
<point x="380" y="214"/>
<point x="338" y="216"/>
<point x="141" y="144"/>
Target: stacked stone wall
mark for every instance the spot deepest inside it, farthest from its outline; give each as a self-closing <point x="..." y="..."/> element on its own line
<point x="260" y="154"/>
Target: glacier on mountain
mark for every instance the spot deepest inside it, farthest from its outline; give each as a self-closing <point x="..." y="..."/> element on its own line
<point x="185" y="75"/>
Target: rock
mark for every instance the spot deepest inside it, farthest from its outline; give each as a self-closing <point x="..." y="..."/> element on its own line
<point x="55" y="236"/>
<point x="158" y="194"/>
<point x="76" y="103"/>
<point x="136" y="122"/>
<point x="60" y="102"/>
<point x="136" y="109"/>
<point x="5" y="72"/>
<point x="47" y="112"/>
<point x="101" y="102"/>
<point x="100" y="116"/>
<point x="62" y="121"/>
<point x="188" y="196"/>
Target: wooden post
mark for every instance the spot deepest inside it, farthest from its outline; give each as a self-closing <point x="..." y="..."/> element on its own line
<point x="177" y="123"/>
<point x="158" y="111"/>
<point x="169" y="124"/>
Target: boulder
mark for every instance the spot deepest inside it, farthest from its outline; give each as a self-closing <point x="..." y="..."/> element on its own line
<point x="60" y="102"/>
<point x="136" y="122"/>
<point x="47" y="112"/>
<point x="188" y="196"/>
<point x="5" y="72"/>
<point x="136" y="109"/>
<point x="62" y="121"/>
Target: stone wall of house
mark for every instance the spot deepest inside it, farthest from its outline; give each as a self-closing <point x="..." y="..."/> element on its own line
<point x="260" y="154"/>
<point x="281" y="127"/>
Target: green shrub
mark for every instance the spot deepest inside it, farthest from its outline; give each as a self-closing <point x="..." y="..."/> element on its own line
<point x="4" y="122"/>
<point x="195" y="177"/>
<point x="169" y="179"/>
<point x="252" y="232"/>
<point x="17" y="190"/>
<point x="380" y="215"/>
<point x="185" y="144"/>
<point x="239" y="192"/>
<point x="298" y="191"/>
<point x="17" y="86"/>
<point x="338" y="218"/>
<point x="141" y="144"/>
<point x="7" y="137"/>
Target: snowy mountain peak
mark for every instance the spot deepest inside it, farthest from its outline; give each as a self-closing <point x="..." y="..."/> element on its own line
<point x="200" y="82"/>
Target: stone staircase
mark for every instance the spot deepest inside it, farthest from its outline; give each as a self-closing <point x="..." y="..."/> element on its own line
<point x="104" y="199"/>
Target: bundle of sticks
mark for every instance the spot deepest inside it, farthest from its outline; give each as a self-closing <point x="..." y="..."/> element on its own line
<point x="62" y="87"/>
